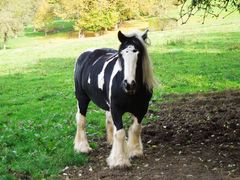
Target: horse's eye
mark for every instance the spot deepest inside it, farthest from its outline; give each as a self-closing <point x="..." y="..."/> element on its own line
<point x="134" y="50"/>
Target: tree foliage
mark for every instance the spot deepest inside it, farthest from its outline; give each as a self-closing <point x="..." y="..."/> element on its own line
<point x="14" y="14"/>
<point x="91" y="15"/>
<point x="127" y="9"/>
<point x="212" y="8"/>
<point x="44" y="16"/>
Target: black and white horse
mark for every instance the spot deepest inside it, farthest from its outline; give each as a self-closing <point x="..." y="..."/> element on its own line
<point x="118" y="82"/>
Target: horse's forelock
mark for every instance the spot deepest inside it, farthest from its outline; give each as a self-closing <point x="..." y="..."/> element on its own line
<point x="137" y="34"/>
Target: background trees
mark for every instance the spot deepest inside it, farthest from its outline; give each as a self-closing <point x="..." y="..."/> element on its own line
<point x="97" y="15"/>
<point x="14" y="15"/>
<point x="89" y="15"/>
<point x="44" y="16"/>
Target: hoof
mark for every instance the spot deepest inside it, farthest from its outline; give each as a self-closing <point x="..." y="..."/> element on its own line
<point x="118" y="162"/>
<point x="135" y="153"/>
<point x="82" y="147"/>
<point x="135" y="150"/>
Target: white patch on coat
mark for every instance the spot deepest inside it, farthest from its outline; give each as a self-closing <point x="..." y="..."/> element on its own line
<point x="81" y="142"/>
<point x="101" y="74"/>
<point x="135" y="146"/>
<point x="130" y="63"/>
<point x="89" y="79"/>
<point x="117" y="67"/>
<point x="107" y="103"/>
<point x="119" y="153"/>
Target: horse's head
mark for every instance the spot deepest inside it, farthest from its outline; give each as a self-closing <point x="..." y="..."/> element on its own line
<point x="131" y="53"/>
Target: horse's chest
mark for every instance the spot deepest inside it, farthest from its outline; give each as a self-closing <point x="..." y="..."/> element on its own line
<point x="130" y="103"/>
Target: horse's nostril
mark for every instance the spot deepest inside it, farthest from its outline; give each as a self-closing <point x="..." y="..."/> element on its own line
<point x="129" y="87"/>
<point x="125" y="83"/>
<point x="133" y="84"/>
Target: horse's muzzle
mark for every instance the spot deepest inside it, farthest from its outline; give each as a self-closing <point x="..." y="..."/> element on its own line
<point x="130" y="89"/>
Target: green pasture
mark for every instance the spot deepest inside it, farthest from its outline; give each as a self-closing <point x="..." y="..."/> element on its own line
<point x="37" y="103"/>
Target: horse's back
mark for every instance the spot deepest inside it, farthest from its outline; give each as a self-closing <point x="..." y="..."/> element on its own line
<point x="95" y="53"/>
<point x="90" y="56"/>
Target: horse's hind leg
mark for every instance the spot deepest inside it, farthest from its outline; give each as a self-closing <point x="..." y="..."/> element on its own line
<point x="109" y="127"/>
<point x="134" y="139"/>
<point x="81" y="142"/>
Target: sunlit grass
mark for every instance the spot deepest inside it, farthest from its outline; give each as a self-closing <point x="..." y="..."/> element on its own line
<point x="37" y="119"/>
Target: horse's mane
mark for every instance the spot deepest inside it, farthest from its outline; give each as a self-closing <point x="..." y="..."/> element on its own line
<point x="148" y="77"/>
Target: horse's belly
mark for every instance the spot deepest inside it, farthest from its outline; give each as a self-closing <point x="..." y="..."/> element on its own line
<point x="102" y="104"/>
<point x="97" y="96"/>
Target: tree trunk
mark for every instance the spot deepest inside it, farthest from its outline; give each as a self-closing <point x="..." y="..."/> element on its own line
<point x="80" y="33"/>
<point x="5" y="41"/>
<point x="4" y="46"/>
<point x="116" y="27"/>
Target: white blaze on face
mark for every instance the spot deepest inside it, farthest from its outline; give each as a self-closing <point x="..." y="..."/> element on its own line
<point x="130" y="56"/>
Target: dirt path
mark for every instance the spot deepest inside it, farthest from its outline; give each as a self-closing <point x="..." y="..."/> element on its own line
<point x="195" y="137"/>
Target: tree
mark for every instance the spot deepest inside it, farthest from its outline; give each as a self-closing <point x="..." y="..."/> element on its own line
<point x="12" y="19"/>
<point x="109" y="14"/>
<point x="98" y="15"/>
<point x="89" y="15"/>
<point x="44" y="17"/>
<point x="149" y="7"/>
<point x="71" y="11"/>
<point x="128" y="9"/>
<point x="209" y="7"/>
<point x="35" y="4"/>
<point x="14" y="14"/>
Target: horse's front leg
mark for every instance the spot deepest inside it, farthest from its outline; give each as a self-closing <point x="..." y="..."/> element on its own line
<point x="119" y="154"/>
<point x="81" y="142"/>
<point x="135" y="146"/>
<point x="109" y="127"/>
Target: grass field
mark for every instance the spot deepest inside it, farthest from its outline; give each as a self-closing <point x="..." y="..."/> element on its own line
<point x="37" y="104"/>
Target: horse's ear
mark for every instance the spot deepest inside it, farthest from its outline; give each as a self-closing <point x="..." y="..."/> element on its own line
<point x="121" y="37"/>
<point x="145" y="36"/>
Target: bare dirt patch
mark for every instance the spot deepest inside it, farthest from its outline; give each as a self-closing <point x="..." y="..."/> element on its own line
<point x="195" y="137"/>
